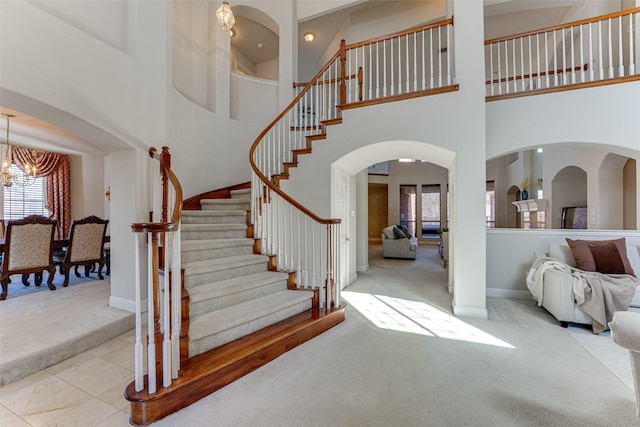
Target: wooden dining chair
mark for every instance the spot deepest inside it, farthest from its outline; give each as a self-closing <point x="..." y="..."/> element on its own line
<point x="85" y="248"/>
<point x="28" y="248"/>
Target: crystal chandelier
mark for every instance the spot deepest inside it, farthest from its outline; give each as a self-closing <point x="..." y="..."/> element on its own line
<point x="7" y="178"/>
<point x="225" y="16"/>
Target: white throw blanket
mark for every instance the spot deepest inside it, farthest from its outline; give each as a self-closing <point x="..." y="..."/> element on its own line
<point x="597" y="295"/>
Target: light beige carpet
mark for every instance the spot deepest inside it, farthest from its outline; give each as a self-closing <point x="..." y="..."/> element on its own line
<point x="401" y="359"/>
<point x="40" y="327"/>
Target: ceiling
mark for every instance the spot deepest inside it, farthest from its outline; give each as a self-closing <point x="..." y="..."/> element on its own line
<point x="255" y="41"/>
<point x="501" y="17"/>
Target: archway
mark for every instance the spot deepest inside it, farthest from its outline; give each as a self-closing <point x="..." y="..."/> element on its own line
<point x="512" y="219"/>
<point x="569" y="189"/>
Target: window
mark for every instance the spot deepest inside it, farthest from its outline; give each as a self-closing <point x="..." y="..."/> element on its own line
<point x="23" y="201"/>
<point x="431" y="211"/>
<point x="490" y="205"/>
<point x="408" y="204"/>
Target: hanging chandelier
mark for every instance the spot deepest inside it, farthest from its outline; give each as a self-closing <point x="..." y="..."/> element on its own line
<point x="7" y="178"/>
<point x="225" y="16"/>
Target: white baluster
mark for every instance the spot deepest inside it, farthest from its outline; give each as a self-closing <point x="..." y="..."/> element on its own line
<point x="406" y="52"/>
<point x="600" y="60"/>
<point x="530" y="64"/>
<point x="166" y="315"/>
<point x="499" y="69"/>
<point x="423" y="53"/>
<point x="573" y="57"/>
<point x="151" y="347"/>
<point x="431" y="58"/>
<point x="611" y="72"/>
<point x="620" y="49"/>
<point x="582" y="74"/>
<point x="591" y="70"/>
<point x="176" y="303"/>
<point x="439" y="57"/>
<point x="449" y="53"/>
<point x="522" y="79"/>
<point x="506" y="66"/>
<point x="564" y="61"/>
<point x="632" y="64"/>
<point x="138" y="349"/>
<point x="515" y="62"/>
<point x="538" y="61"/>
<point x="546" y="59"/>
<point x="555" y="60"/>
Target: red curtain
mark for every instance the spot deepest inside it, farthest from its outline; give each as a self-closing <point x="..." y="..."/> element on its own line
<point x="56" y="168"/>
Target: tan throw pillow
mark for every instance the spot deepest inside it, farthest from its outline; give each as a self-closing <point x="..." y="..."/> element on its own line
<point x="603" y="256"/>
<point x="582" y="255"/>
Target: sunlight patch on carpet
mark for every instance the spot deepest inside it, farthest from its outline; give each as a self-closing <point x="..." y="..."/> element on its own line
<point x="417" y="317"/>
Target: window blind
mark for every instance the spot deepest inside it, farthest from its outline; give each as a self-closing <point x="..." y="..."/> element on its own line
<point x="23" y="201"/>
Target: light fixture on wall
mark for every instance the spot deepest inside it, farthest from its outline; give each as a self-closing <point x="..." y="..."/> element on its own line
<point x="308" y="37"/>
<point x="7" y="178"/>
<point x="225" y="16"/>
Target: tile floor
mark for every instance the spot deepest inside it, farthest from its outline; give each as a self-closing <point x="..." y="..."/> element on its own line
<point x="86" y="390"/>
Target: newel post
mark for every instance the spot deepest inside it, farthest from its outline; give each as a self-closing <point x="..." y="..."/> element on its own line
<point x="343" y="65"/>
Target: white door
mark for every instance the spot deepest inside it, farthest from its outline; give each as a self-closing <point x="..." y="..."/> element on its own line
<point x="341" y="198"/>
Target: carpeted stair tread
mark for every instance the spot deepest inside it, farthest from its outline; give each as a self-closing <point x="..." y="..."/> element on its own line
<point x="198" y="267"/>
<point x="221" y="326"/>
<point x="214" y="296"/>
<point x="197" y="245"/>
<point x="212" y="227"/>
<point x="237" y="284"/>
<point x="214" y="213"/>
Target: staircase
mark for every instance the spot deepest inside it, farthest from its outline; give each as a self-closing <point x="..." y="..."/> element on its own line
<point x="232" y="292"/>
<point x="240" y="312"/>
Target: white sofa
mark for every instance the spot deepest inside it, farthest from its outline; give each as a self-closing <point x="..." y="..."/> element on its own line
<point x="394" y="247"/>
<point x="557" y="297"/>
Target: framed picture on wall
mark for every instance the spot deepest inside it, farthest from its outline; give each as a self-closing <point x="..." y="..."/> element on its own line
<point x="379" y="169"/>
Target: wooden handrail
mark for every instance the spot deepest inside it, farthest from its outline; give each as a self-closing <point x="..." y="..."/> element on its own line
<point x="564" y="26"/>
<point x="401" y="33"/>
<point x="257" y="141"/>
<point x="166" y="173"/>
<point x="325" y="82"/>
<point x="585" y="67"/>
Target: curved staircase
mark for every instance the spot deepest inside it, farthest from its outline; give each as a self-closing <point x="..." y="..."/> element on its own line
<point x="241" y="314"/>
<point x="232" y="292"/>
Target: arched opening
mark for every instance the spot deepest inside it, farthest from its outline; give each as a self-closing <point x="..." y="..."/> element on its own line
<point x="569" y="189"/>
<point x="512" y="218"/>
<point x="255" y="44"/>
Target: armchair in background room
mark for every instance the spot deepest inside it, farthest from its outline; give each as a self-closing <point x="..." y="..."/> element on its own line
<point x="85" y="248"/>
<point x="28" y="248"/>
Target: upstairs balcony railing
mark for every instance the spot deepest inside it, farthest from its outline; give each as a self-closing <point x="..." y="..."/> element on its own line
<point x="407" y="64"/>
<point x="583" y="53"/>
<point x="163" y="284"/>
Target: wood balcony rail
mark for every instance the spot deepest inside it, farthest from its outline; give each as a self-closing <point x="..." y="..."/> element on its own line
<point x="162" y="239"/>
<point x="406" y="64"/>
<point x="583" y="52"/>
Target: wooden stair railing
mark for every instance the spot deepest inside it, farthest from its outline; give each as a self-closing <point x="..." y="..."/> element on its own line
<point x="586" y="53"/>
<point x="164" y="324"/>
<point x="411" y="63"/>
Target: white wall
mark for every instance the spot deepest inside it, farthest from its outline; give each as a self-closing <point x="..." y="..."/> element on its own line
<point x="253" y="100"/>
<point x="510" y="253"/>
<point x="588" y="116"/>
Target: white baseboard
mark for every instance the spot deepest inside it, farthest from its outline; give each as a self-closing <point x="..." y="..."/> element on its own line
<point x="362" y="268"/>
<point x="508" y="293"/>
<point x="353" y="278"/>
<point x="472" y="312"/>
<point x="126" y="304"/>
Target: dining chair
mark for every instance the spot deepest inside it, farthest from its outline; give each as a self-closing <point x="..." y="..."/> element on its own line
<point x="28" y="248"/>
<point x="85" y="247"/>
